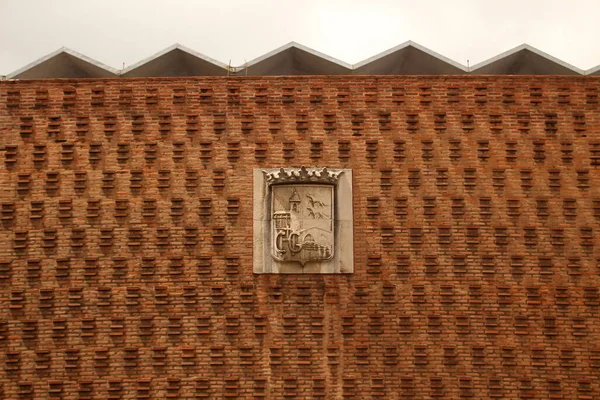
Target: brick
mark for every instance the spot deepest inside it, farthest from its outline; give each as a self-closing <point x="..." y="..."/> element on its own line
<point x="126" y="270"/>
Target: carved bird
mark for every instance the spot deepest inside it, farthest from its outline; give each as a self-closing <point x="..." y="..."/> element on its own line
<point x="314" y="203"/>
<point x="316" y="214"/>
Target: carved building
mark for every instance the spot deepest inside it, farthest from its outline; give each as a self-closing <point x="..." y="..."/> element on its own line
<point x="130" y="207"/>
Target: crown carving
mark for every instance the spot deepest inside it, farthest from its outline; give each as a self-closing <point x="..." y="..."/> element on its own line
<point x="302" y="175"/>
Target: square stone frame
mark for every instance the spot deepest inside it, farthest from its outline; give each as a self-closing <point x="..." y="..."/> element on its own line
<point x="343" y="257"/>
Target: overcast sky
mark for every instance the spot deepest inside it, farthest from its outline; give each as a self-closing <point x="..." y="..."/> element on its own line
<point x="117" y="32"/>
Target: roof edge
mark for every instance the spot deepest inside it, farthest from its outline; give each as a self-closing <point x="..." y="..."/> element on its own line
<point x="175" y="46"/>
<point x="417" y="46"/>
<point x="298" y="46"/>
<point x="534" y="50"/>
<point x="592" y="70"/>
<point x="55" y="53"/>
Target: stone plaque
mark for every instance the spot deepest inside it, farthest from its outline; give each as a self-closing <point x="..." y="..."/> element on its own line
<point x="303" y="220"/>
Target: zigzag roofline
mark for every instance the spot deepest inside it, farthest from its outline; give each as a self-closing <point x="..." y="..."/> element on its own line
<point x="551" y="61"/>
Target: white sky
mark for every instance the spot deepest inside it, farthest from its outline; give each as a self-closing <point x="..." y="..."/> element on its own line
<point x="126" y="31"/>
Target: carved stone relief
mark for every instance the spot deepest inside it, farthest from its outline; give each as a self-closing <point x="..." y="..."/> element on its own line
<point x="303" y="220"/>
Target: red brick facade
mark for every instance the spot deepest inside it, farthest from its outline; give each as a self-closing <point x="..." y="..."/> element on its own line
<point x="126" y="229"/>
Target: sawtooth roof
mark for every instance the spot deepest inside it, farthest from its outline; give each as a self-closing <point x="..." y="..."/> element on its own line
<point x="293" y="58"/>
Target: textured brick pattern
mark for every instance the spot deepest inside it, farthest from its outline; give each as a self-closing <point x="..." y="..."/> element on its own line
<point x="126" y="228"/>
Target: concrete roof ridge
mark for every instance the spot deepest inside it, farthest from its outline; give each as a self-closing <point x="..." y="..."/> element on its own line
<point x="532" y="49"/>
<point x="592" y="70"/>
<point x="544" y="65"/>
<point x="57" y="52"/>
<point x="298" y="46"/>
<point x="410" y="43"/>
<point x="175" y="46"/>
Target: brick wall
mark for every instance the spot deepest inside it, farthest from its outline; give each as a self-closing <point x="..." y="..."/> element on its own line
<point x="126" y="229"/>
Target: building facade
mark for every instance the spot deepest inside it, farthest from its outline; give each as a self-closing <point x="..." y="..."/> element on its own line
<point x="126" y="240"/>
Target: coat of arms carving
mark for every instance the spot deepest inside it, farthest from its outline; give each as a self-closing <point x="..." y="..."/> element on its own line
<point x="304" y="222"/>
